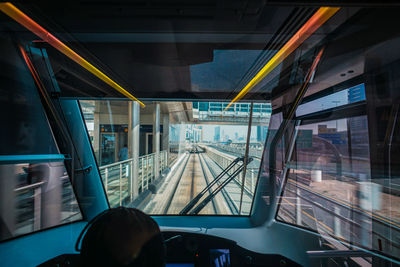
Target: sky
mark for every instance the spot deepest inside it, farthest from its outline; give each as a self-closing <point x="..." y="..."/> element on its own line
<point x="225" y="71"/>
<point x="333" y="100"/>
<point x="330" y="101"/>
<point x="230" y="130"/>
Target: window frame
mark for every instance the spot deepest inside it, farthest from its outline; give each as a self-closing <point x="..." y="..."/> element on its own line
<point x="346" y="111"/>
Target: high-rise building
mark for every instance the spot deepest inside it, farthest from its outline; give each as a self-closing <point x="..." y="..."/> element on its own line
<point x="259" y="133"/>
<point x="217" y="134"/>
<point x="262" y="133"/>
<point x="201" y="137"/>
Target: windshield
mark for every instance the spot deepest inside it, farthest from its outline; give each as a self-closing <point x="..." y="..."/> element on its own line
<point x="169" y="154"/>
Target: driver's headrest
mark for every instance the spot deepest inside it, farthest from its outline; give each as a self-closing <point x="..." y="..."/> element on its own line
<point x="122" y="237"/>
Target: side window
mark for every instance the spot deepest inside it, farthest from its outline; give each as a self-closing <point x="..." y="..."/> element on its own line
<point x="335" y="184"/>
<point x="35" y="190"/>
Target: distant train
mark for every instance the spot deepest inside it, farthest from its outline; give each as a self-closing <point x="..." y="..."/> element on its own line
<point x="196" y="149"/>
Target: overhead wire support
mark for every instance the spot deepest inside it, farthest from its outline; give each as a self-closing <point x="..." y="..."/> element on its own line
<point x="246" y="155"/>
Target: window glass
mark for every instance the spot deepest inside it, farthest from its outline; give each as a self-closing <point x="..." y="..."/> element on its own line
<point x="35" y="190"/>
<point x="328" y="175"/>
<point x="274" y="156"/>
<point x="344" y="97"/>
<point x="171" y="164"/>
<point x="341" y="167"/>
<point x="330" y="188"/>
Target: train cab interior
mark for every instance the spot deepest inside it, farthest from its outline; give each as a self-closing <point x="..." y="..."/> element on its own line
<point x="255" y="133"/>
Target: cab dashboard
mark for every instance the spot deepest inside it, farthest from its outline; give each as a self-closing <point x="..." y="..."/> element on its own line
<point x="185" y="249"/>
<point x="195" y="250"/>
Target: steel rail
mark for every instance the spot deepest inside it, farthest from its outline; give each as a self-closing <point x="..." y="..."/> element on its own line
<point x="196" y="199"/>
<point x="228" y="199"/>
<point x="337" y="215"/>
<point x="202" y="204"/>
<point x="171" y="196"/>
<point x="319" y="206"/>
<point x="207" y="183"/>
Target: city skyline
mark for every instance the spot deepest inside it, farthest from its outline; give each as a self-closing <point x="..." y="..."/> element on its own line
<point x="219" y="133"/>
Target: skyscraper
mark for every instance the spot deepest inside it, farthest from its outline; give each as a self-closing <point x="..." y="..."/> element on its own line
<point x="259" y="135"/>
<point x="217" y="134"/>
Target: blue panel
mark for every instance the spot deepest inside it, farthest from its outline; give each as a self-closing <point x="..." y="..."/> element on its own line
<point x="356" y="93"/>
<point x="90" y="190"/>
<point x="203" y="106"/>
<point x="14" y="159"/>
<point x="37" y="248"/>
<point x="203" y="221"/>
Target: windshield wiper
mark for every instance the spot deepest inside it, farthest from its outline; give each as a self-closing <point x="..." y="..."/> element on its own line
<point x="202" y="204"/>
<point x="196" y="199"/>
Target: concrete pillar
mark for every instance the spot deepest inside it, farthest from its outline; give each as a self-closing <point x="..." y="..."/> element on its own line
<point x="336" y="222"/>
<point x="316" y="176"/>
<point x="156" y="140"/>
<point x="96" y="135"/>
<point x="165" y="136"/>
<point x="181" y="139"/>
<point x="298" y="207"/>
<point x="133" y="147"/>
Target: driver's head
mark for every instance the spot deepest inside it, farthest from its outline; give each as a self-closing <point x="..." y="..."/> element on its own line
<point x="123" y="237"/>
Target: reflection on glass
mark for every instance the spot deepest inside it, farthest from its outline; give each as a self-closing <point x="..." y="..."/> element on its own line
<point x="225" y="71"/>
<point x="220" y="258"/>
<point x="175" y="162"/>
<point x="35" y="190"/>
<point x="35" y="196"/>
<point x="330" y="188"/>
<point x="344" y="97"/>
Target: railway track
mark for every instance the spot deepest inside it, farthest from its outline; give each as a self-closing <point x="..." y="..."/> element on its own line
<point x="192" y="174"/>
<point x="216" y="209"/>
<point x="351" y="226"/>
<point x="192" y="179"/>
<point x="230" y="202"/>
<point x="170" y="198"/>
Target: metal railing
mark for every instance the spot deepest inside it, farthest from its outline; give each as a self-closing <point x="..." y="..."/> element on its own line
<point x="117" y="176"/>
<point x="31" y="206"/>
<point x="255" y="152"/>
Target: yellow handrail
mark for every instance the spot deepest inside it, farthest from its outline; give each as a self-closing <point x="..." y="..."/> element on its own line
<point x="17" y="15"/>
<point x="316" y="21"/>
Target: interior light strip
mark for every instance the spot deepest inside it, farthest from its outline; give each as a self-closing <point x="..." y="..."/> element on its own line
<point x="16" y="14"/>
<point x="318" y="19"/>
